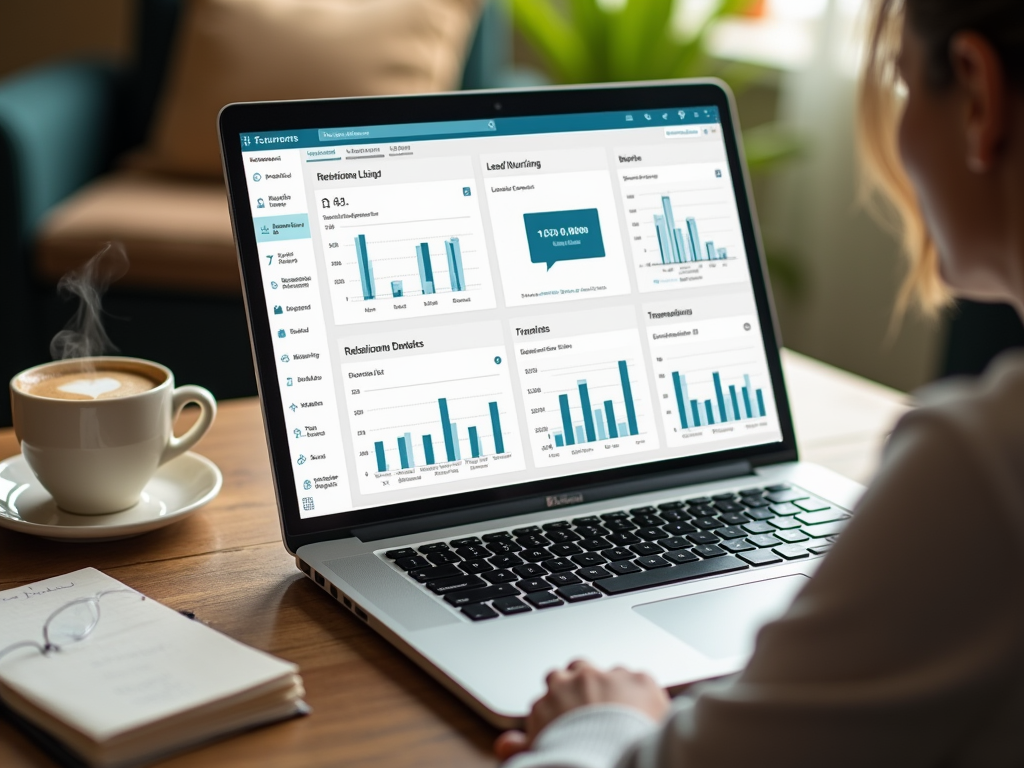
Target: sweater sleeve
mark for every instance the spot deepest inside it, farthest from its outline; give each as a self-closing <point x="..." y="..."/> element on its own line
<point x="897" y="652"/>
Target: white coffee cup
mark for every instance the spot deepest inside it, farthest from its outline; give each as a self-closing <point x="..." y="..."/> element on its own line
<point x="95" y="452"/>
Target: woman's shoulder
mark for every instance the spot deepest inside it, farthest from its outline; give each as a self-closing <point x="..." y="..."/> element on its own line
<point x="993" y="402"/>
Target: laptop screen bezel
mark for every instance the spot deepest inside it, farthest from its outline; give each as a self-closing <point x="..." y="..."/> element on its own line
<point x="236" y="119"/>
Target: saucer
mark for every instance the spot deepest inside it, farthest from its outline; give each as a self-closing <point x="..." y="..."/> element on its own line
<point x="178" y="489"/>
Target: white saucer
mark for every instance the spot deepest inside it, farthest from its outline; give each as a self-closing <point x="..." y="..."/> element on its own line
<point x="177" y="490"/>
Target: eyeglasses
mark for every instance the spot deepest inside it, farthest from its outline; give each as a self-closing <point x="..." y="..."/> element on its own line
<point x="70" y="624"/>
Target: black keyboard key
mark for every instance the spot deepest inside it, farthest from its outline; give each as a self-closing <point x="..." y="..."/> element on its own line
<point x="593" y="573"/>
<point x="469" y="541"/>
<point x="511" y="605"/>
<point x="454" y="584"/>
<point x="708" y="523"/>
<point x="505" y="561"/>
<point x="676" y="542"/>
<point x="498" y="536"/>
<point x="752" y="492"/>
<point x="543" y="600"/>
<point x="533" y="585"/>
<point x="562" y="579"/>
<point x="823" y="516"/>
<point x="616" y="554"/>
<point x="564" y="550"/>
<point x="647" y="521"/>
<point x="785" y="509"/>
<point x="723" y="496"/>
<point x="698" y="500"/>
<point x="395" y="554"/>
<point x="758" y="526"/>
<point x="529" y="571"/>
<point x="479" y="612"/>
<point x="481" y="595"/>
<point x="764" y="540"/>
<point x="682" y="556"/>
<point x="648" y="510"/>
<point x="819" y="549"/>
<point x="731" y="532"/>
<point x="559" y="565"/>
<point x="759" y="557"/>
<point x="500" y="577"/>
<point x="437" y="546"/>
<point x="733" y="518"/>
<point x="623" y="567"/>
<point x="413" y="563"/>
<point x="703" y="538"/>
<point x="791" y="551"/>
<point x="423" y="575"/>
<point x="812" y="504"/>
<point x="785" y="523"/>
<point x="670" y="505"/>
<point x="532" y="541"/>
<point x="678" y="529"/>
<point x="577" y="593"/>
<point x="563" y="537"/>
<point x="558" y="525"/>
<point x="593" y="545"/>
<point x="652" y="534"/>
<point x="702" y="510"/>
<point x="647" y="549"/>
<point x="755" y="501"/>
<point x="588" y="520"/>
<point x="503" y="546"/>
<point x="588" y="559"/>
<point x="777" y="488"/>
<point x="618" y="515"/>
<point x="591" y="531"/>
<point x="623" y="538"/>
<point x="671" y="575"/>
<point x="673" y="515"/>
<point x="535" y="555"/>
<point x="528" y="530"/>
<point x="791" y="537"/>
<point x="708" y="550"/>
<point x="474" y="566"/>
<point x="737" y="545"/>
<point x="777" y="497"/>
<point x="825" y="530"/>
<point x="472" y="552"/>
<point x="760" y="514"/>
<point x="652" y="561"/>
<point x="620" y="526"/>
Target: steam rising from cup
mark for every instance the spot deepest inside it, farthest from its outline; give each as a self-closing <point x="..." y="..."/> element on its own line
<point x="84" y="335"/>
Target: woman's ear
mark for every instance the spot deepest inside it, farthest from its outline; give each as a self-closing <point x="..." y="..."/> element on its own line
<point x="981" y="82"/>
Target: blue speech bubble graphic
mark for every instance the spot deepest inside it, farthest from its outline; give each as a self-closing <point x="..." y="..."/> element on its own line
<point x="555" y="236"/>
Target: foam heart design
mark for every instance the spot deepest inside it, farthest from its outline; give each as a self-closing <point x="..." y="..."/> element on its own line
<point x="91" y="387"/>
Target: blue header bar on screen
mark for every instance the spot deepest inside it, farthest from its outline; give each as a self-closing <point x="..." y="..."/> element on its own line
<point x="456" y="129"/>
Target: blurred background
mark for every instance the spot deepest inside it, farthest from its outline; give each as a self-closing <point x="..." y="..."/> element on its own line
<point x="85" y="88"/>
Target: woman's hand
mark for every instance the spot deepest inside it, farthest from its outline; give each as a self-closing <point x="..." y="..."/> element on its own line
<point x="578" y="685"/>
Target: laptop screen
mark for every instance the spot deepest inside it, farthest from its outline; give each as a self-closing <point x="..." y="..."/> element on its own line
<point x="474" y="304"/>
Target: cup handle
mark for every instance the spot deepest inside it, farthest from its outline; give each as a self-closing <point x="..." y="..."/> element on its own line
<point x="181" y="397"/>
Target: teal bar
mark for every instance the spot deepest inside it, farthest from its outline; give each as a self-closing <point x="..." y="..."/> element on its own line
<point x="720" y="396"/>
<point x="677" y="383"/>
<point x="746" y="402"/>
<point x="710" y="410"/>
<point x="563" y="406"/>
<point x="382" y="462"/>
<point x="474" y="443"/>
<point x="588" y="416"/>
<point x="426" y="271"/>
<point x="627" y="394"/>
<point x="396" y="289"/>
<point x="456" y="275"/>
<point x="446" y="430"/>
<point x="499" y="441"/>
<point x="365" y="268"/>
<point x="609" y="414"/>
<point x="559" y="442"/>
<point x="428" y="449"/>
<point x="696" y="413"/>
<point x="735" y="402"/>
<point x="760" y="402"/>
<point x="403" y="457"/>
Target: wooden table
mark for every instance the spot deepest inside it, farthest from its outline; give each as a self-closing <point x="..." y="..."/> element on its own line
<point x="371" y="706"/>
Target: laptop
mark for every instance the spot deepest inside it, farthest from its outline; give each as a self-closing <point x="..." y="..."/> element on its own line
<point x="520" y="377"/>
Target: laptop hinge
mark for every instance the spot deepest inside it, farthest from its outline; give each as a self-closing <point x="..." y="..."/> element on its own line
<point x="498" y="510"/>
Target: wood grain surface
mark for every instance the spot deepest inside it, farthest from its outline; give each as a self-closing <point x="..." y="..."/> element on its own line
<point x="226" y="563"/>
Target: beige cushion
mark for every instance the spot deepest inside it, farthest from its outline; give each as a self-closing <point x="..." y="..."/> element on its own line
<point x="258" y="50"/>
<point x="176" y="232"/>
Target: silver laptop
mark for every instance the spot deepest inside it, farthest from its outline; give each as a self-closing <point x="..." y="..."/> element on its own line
<point x="520" y="376"/>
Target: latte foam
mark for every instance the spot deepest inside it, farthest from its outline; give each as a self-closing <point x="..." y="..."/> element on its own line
<point x="88" y="385"/>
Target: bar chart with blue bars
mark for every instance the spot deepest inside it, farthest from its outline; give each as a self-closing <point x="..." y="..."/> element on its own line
<point x="685" y="226"/>
<point x="726" y="406"/>
<point x="592" y="399"/>
<point x="434" y="418"/>
<point x="406" y="250"/>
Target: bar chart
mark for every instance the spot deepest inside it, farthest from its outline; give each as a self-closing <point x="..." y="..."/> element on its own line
<point x="684" y="227"/>
<point x="712" y="381"/>
<point x="405" y="250"/>
<point x="586" y="397"/>
<point x="432" y="418"/>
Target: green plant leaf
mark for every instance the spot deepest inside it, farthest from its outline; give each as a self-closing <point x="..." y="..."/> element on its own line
<point x="768" y="145"/>
<point x="592" y="22"/>
<point x="558" y="42"/>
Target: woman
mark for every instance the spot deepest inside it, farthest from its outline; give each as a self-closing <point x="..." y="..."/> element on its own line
<point x="907" y="648"/>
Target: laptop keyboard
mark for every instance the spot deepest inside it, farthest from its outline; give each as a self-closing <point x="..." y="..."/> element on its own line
<point x="508" y="572"/>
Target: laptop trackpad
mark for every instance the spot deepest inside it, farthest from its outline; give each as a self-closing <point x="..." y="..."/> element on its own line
<point x="723" y="623"/>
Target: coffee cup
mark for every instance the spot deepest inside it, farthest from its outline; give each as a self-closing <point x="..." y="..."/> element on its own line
<point x="95" y="430"/>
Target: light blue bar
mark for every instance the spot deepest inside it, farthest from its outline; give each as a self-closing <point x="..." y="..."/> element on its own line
<point x="455" y="272"/>
<point x="710" y="245"/>
<point x="396" y="289"/>
<point x="581" y="436"/>
<point x="274" y="229"/>
<point x="455" y="441"/>
<point x="599" y="425"/>
<point x="623" y="429"/>
<point x="691" y="226"/>
<point x="723" y="254"/>
<point x="408" y="449"/>
<point x="426" y="271"/>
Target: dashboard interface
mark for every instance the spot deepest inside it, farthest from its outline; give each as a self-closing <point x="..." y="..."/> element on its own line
<point x="465" y="305"/>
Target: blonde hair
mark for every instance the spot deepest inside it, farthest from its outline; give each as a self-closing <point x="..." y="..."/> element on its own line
<point x="886" y="188"/>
